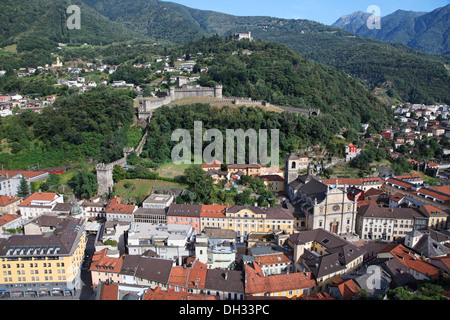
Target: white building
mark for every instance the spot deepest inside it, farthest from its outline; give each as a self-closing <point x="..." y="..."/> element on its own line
<point x="169" y="241"/>
<point x="216" y="248"/>
<point x="158" y="201"/>
<point x="37" y="203"/>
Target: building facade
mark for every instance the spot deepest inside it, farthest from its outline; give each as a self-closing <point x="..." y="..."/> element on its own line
<point x="37" y="203"/>
<point x="43" y="265"/>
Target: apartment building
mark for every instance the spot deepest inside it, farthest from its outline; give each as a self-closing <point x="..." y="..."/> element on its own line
<point x="43" y="264"/>
<point x="37" y="203"/>
<point x="324" y="254"/>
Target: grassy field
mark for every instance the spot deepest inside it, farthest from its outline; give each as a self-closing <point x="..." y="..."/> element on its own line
<point x="171" y="170"/>
<point x="139" y="189"/>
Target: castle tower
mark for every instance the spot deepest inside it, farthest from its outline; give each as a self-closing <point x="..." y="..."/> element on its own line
<point x="104" y="179"/>
<point x="218" y="91"/>
<point x="172" y="93"/>
<point x="291" y="164"/>
<point x="181" y="81"/>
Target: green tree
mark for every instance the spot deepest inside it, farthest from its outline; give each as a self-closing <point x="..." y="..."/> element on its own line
<point x="119" y="173"/>
<point x="53" y="180"/>
<point x="199" y="183"/>
<point x="24" y="189"/>
<point x="84" y="184"/>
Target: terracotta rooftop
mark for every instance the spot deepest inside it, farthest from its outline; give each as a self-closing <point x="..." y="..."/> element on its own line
<point x="408" y="259"/>
<point x="43" y="196"/>
<point x="6" y="218"/>
<point x="256" y="282"/>
<point x="114" y="206"/>
<point x="348" y="288"/>
<point x="102" y="263"/>
<point x="26" y="174"/>
<point x="213" y="211"/>
<point x="6" y="200"/>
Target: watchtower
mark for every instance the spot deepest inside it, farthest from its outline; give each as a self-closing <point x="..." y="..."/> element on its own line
<point x="104" y="178"/>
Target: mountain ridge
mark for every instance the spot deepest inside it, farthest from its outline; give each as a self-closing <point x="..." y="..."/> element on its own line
<point x="426" y="31"/>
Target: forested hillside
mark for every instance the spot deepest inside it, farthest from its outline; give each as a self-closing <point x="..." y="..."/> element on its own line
<point x="279" y="75"/>
<point x="403" y="73"/>
<point x="296" y="131"/>
<point x="41" y="24"/>
<point x="92" y="126"/>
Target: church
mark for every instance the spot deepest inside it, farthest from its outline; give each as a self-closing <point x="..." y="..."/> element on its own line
<point x="318" y="205"/>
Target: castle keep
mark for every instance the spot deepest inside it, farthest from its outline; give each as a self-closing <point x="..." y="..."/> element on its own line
<point x="182" y="90"/>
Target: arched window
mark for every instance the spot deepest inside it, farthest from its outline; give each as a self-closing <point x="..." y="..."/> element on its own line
<point x="293" y="165"/>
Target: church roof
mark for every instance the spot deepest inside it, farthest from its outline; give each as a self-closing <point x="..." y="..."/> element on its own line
<point x="312" y="188"/>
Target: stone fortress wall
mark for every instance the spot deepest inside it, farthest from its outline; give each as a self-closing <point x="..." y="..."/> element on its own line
<point x="186" y="90"/>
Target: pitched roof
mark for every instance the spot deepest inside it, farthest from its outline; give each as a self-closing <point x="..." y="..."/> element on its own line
<point x="375" y="211"/>
<point x="411" y="261"/>
<point x="184" y="210"/>
<point x="109" y="291"/>
<point x="62" y="241"/>
<point x="430" y="210"/>
<point x="26" y="174"/>
<point x="272" y="259"/>
<point x="102" y="263"/>
<point x="339" y="252"/>
<point x="271" y="177"/>
<point x="348" y="288"/>
<point x="214" y="164"/>
<point x="38" y="196"/>
<point x="256" y="282"/>
<point x="213" y="211"/>
<point x="225" y="280"/>
<point x="430" y="248"/>
<point x="6" y="200"/>
<point x="114" y="206"/>
<point x="154" y="269"/>
<point x="7" y="217"/>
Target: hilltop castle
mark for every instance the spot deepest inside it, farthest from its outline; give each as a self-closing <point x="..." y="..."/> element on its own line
<point x="182" y="90"/>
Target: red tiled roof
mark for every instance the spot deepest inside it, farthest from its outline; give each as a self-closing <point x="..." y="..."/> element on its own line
<point x="109" y="291"/>
<point x="443" y="189"/>
<point x="214" y="164"/>
<point x="213" y="211"/>
<point x="429" y="209"/>
<point x="397" y="197"/>
<point x="411" y="261"/>
<point x="256" y="282"/>
<point x="43" y="196"/>
<point x="192" y="277"/>
<point x="114" y="206"/>
<point x="5" y="200"/>
<point x="365" y="202"/>
<point x="26" y="174"/>
<point x="272" y="259"/>
<point x="348" y="288"/>
<point x="100" y="261"/>
<point x="6" y="218"/>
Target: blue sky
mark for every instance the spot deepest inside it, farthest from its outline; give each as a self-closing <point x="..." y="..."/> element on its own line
<point x="324" y="11"/>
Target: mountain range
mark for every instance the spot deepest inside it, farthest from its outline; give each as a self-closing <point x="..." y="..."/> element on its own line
<point x="392" y="69"/>
<point x="427" y="31"/>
